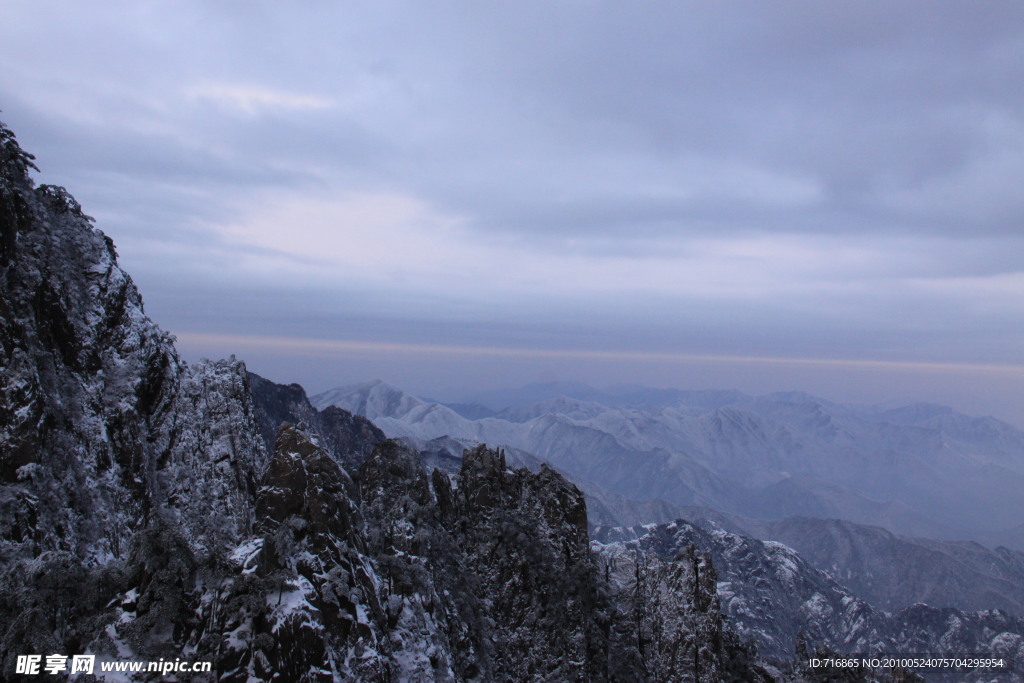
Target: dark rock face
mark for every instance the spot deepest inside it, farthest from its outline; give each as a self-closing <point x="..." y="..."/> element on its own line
<point x="526" y="541"/>
<point x="889" y="571"/>
<point x="349" y="438"/>
<point x="275" y="404"/>
<point x="511" y="582"/>
<point x="123" y="471"/>
<point x="774" y="597"/>
<point x="304" y="482"/>
<point x="318" y="592"/>
<point x="143" y="515"/>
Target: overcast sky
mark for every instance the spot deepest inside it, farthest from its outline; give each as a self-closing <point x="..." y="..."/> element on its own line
<point x="824" y="196"/>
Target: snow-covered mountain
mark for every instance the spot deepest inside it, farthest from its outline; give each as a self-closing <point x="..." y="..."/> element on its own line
<point x="583" y="451"/>
<point x="889" y="571"/>
<point x="144" y="517"/>
<point x="917" y="470"/>
<point x="154" y="509"/>
<point x="773" y="596"/>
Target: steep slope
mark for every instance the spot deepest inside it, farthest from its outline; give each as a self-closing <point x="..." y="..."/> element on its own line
<point x="919" y="470"/>
<point x="102" y="423"/>
<point x="349" y="438"/>
<point x="581" y="451"/>
<point x="772" y="595"/>
<point x="143" y="518"/>
<point x="890" y="571"/>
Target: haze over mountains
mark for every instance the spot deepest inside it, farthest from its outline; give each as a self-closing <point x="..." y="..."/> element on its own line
<point x="827" y="480"/>
<point x="772" y="595"/>
<point x="917" y="470"/>
<point x="154" y="509"/>
<point x="143" y="517"/>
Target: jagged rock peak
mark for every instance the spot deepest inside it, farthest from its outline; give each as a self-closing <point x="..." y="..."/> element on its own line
<point x="141" y="517"/>
<point x="304" y="481"/>
<point x="482" y="458"/>
<point x="310" y="593"/>
<point x="393" y="472"/>
<point x="349" y="438"/>
<point x="485" y="481"/>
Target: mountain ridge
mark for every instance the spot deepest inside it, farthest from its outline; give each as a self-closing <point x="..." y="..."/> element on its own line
<point x="918" y="470"/>
<point x="145" y="517"/>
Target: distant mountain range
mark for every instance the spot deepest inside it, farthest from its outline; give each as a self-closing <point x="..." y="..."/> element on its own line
<point x="918" y="470"/>
<point x="773" y="596"/>
<point x="152" y="509"/>
<point x="891" y="572"/>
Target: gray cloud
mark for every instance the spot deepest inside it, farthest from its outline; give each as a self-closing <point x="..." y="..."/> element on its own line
<point x="800" y="178"/>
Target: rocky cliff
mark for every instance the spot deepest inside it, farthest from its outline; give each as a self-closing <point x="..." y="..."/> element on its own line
<point x="775" y="598"/>
<point x="144" y="515"/>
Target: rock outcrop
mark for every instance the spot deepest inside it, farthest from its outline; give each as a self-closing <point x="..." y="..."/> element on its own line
<point x="773" y="597"/>
<point x="145" y="517"/>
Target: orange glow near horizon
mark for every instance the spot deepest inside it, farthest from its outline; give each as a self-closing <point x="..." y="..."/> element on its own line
<point x="312" y="346"/>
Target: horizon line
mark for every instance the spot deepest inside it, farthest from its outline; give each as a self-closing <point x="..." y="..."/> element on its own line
<point x="307" y="345"/>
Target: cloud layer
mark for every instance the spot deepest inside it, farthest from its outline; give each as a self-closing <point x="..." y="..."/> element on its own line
<point x="796" y="180"/>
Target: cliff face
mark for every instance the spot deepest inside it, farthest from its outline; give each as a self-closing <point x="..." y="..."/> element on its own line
<point x="107" y="439"/>
<point x="500" y="564"/>
<point x="350" y="438"/>
<point x="774" y="598"/>
<point x="103" y="426"/>
<point x="142" y="514"/>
